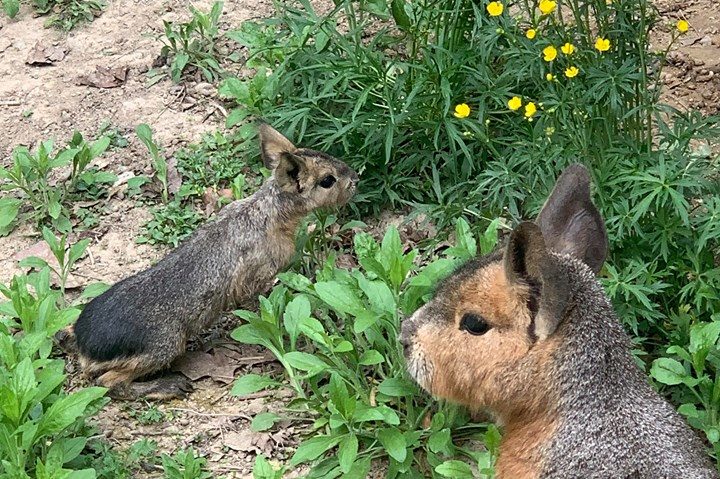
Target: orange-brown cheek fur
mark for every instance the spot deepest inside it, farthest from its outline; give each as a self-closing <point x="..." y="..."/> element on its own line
<point x="502" y="370"/>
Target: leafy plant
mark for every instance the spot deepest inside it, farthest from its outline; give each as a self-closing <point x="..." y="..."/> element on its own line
<point x="39" y="422"/>
<point x="336" y="338"/>
<point x="171" y="224"/>
<point x="194" y="44"/>
<point x="184" y="464"/>
<point x="11" y="7"/>
<point x="29" y="178"/>
<point x="144" y="133"/>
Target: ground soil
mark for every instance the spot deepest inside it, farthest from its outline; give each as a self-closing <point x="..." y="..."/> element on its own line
<point x="40" y="102"/>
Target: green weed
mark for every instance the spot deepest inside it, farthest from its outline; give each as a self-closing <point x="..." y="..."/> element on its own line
<point x="144" y="133"/>
<point x="65" y="14"/>
<point x="171" y="224"/>
<point x="39" y="422"/>
<point x="184" y="464"/>
<point x="193" y="44"/>
<point x="30" y="176"/>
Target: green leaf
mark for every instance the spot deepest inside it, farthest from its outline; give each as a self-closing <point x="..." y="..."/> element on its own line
<point x="264" y="421"/>
<point x="312" y="449"/>
<point x="364" y="320"/>
<point x="371" y="357"/>
<point x="33" y="262"/>
<point x="359" y="470"/>
<point x="251" y="383"/>
<point x="455" y="469"/>
<point x="668" y="371"/>
<point x="402" y="20"/>
<point x="67" y="410"/>
<point x="379" y="294"/>
<point x="11" y="7"/>
<point x="394" y="443"/>
<point x="347" y="452"/>
<point x="396" y="387"/>
<point x="340" y="297"/>
<point x="297" y="310"/>
<point x="93" y="290"/>
<point x="441" y="442"/>
<point x="9" y="208"/>
<point x="263" y="470"/>
<point x="305" y="361"/>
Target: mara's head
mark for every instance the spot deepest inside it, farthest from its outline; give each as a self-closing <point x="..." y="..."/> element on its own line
<point x="316" y="177"/>
<point x="488" y="335"/>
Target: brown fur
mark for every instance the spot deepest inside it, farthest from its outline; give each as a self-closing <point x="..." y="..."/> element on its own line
<point x="510" y="374"/>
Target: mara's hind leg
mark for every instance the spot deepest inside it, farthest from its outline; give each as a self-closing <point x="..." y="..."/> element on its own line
<point x="119" y="376"/>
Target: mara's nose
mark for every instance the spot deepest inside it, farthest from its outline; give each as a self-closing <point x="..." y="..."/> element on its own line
<point x="354" y="179"/>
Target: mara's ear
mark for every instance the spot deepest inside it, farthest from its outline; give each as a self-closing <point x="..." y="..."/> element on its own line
<point x="570" y="222"/>
<point x="527" y="262"/>
<point x="273" y="145"/>
<point x="291" y="172"/>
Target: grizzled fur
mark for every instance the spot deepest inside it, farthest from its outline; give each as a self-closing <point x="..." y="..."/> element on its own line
<point x="529" y="335"/>
<point x="143" y="322"/>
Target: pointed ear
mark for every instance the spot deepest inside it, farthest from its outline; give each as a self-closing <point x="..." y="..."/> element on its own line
<point x="291" y="172"/>
<point x="571" y="223"/>
<point x="273" y="145"/>
<point x="527" y="262"/>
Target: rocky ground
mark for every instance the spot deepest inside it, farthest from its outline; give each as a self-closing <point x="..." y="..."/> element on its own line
<point x="51" y="100"/>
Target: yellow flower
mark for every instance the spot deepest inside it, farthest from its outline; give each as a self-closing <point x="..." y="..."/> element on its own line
<point x="530" y="110"/>
<point x="602" y="44"/>
<point x="495" y="9"/>
<point x="531" y="33"/>
<point x="608" y="2"/>
<point x="547" y="6"/>
<point x="568" y="49"/>
<point x="514" y="103"/>
<point x="549" y="77"/>
<point x="571" y="72"/>
<point x="462" y="110"/>
<point x="683" y="26"/>
<point x="549" y="53"/>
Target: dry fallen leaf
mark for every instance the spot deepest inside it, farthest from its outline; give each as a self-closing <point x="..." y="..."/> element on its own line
<point x="104" y="77"/>
<point x="247" y="440"/>
<point x="197" y="364"/>
<point x="45" y="55"/>
<point x="173" y="176"/>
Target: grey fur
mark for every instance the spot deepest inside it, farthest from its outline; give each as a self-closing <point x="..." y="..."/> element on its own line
<point x="143" y="322"/>
<point x="612" y="424"/>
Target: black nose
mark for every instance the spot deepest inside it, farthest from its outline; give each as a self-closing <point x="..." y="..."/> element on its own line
<point x="354" y="179"/>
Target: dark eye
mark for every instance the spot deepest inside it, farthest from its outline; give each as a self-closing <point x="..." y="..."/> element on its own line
<point x="328" y="181"/>
<point x="474" y="324"/>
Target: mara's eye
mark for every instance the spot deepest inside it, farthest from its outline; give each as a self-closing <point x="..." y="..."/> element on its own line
<point x="328" y="181"/>
<point x="474" y="324"/>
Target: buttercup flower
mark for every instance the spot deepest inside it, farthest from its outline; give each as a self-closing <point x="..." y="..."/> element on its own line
<point x="547" y="6"/>
<point x="568" y="49"/>
<point x="602" y="44"/>
<point x="530" y="110"/>
<point x="549" y="53"/>
<point x="514" y="103"/>
<point x="531" y="33"/>
<point x="549" y="77"/>
<point x="495" y="9"/>
<point x="571" y="72"/>
<point x="682" y="26"/>
<point x="462" y="110"/>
